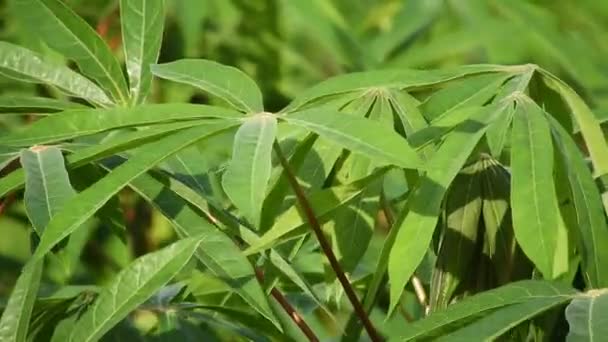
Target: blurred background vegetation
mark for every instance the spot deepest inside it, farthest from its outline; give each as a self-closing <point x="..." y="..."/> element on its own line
<point x="289" y="45"/>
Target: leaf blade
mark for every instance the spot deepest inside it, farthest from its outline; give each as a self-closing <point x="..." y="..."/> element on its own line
<point x="533" y="198"/>
<point x="218" y="252"/>
<point x="142" y="24"/>
<point x="246" y="180"/>
<point x="76" y="123"/>
<point x="86" y="203"/>
<point x="514" y="293"/>
<point x="588" y="203"/>
<point x="64" y="31"/>
<point x="16" y="317"/>
<point x="131" y="287"/>
<point x="28" y="66"/>
<point x="415" y="230"/>
<point x="586" y="318"/>
<point x="360" y="135"/>
<point x="225" y="82"/>
<point x="47" y="185"/>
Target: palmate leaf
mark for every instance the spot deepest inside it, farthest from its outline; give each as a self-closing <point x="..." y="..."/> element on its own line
<point x="246" y="179"/>
<point x="77" y="123"/>
<point x="216" y="251"/>
<point x="497" y="133"/>
<point x="61" y="29"/>
<point x="470" y="308"/>
<point x="47" y="185"/>
<point x="586" y="315"/>
<point x="533" y="198"/>
<point x="413" y="232"/>
<point x="400" y="79"/>
<point x="142" y="24"/>
<point x="589" y="212"/>
<point x="25" y="65"/>
<point x="227" y="83"/>
<point x="131" y="287"/>
<point x="86" y="203"/>
<point x="359" y="135"/>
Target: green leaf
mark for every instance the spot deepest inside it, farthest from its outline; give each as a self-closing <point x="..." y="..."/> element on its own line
<point x="586" y="315"/>
<point x="47" y="185"/>
<point x="227" y="83"/>
<point x="246" y="180"/>
<point x="491" y="326"/>
<point x="588" y="124"/>
<point x="398" y="78"/>
<point x="11" y="182"/>
<point x="86" y="154"/>
<point x="35" y="105"/>
<point x="458" y="237"/>
<point x="77" y="123"/>
<point x="113" y="144"/>
<point x="358" y="134"/>
<point x="47" y="189"/>
<point x="471" y="308"/>
<point x="275" y="201"/>
<point x="589" y="212"/>
<point x="216" y="251"/>
<point x="25" y="65"/>
<point x="415" y="230"/>
<point x="142" y="32"/>
<point x="498" y="133"/>
<point x="64" y="31"/>
<point x="406" y="108"/>
<point x="324" y="203"/>
<point x="533" y="197"/>
<point x="470" y="92"/>
<point x="85" y="204"/>
<point x="500" y="244"/>
<point x="131" y="287"/>
<point x="16" y="317"/>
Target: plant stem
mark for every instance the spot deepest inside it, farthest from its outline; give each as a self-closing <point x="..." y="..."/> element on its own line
<point x="291" y="312"/>
<point x="420" y="293"/>
<point x="6" y="203"/>
<point x="325" y="246"/>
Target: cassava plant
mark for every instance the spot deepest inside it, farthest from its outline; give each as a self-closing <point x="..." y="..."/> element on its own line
<point x="460" y="204"/>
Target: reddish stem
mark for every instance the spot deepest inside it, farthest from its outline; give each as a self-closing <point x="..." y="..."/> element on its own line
<point x="326" y="247"/>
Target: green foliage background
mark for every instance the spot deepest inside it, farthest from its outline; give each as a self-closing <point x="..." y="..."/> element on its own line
<point x="287" y="47"/>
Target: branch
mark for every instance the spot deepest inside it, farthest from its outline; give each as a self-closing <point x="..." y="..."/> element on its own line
<point x="293" y="314"/>
<point x="325" y="246"/>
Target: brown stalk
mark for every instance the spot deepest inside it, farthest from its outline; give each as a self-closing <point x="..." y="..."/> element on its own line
<point x="275" y="293"/>
<point x="291" y="312"/>
<point x="6" y="203"/>
<point x="326" y="247"/>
